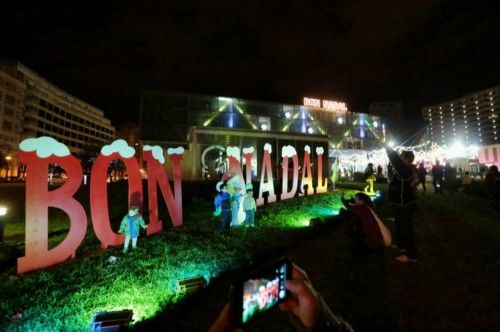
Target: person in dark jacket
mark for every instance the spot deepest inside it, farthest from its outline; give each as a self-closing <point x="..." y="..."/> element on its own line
<point x="421" y="172"/>
<point x="437" y="177"/>
<point x="450" y="177"/>
<point x="492" y="180"/>
<point x="402" y="195"/>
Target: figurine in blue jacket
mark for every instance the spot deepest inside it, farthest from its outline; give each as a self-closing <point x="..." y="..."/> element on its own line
<point x="222" y="204"/>
<point x="130" y="227"/>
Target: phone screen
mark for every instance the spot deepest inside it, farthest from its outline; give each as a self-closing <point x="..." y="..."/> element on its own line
<point x="264" y="289"/>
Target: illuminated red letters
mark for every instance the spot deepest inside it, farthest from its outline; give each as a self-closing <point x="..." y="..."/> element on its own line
<point x="99" y="196"/>
<point x="38" y="201"/>
<point x="39" y="153"/>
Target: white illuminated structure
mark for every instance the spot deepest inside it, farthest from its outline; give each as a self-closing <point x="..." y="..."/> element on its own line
<point x="3" y="211"/>
<point x="472" y="118"/>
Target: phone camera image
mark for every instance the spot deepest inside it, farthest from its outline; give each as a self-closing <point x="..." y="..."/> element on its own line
<point x="261" y="294"/>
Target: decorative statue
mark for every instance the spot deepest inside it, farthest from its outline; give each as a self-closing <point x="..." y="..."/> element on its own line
<point x="237" y="212"/>
<point x="130" y="227"/>
<point x="249" y="205"/>
<point x="222" y="204"/>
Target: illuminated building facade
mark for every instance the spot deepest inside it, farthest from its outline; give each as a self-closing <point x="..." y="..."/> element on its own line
<point x="30" y="106"/>
<point x="471" y="119"/>
<point x="206" y="125"/>
<point x="168" y="117"/>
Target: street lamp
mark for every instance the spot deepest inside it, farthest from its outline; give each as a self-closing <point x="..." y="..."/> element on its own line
<point x="3" y="212"/>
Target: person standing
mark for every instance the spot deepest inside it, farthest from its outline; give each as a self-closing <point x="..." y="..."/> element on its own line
<point x="492" y="181"/>
<point x="390" y="172"/>
<point x="450" y="177"/>
<point x="466" y="182"/>
<point x="401" y="194"/>
<point x="437" y="177"/>
<point x="421" y="173"/>
<point x="370" y="178"/>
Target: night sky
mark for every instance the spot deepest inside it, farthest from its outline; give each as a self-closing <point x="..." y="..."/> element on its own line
<point x="420" y="52"/>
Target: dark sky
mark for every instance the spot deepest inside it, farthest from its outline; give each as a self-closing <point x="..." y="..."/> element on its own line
<point x="420" y="52"/>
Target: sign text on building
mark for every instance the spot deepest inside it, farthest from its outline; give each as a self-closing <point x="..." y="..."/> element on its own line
<point x="329" y="105"/>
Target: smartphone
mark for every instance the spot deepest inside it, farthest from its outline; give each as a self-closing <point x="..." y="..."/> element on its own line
<point x="259" y="291"/>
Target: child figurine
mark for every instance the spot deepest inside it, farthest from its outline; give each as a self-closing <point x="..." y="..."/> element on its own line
<point x="250" y="206"/>
<point x="130" y="227"/>
<point x="222" y="204"/>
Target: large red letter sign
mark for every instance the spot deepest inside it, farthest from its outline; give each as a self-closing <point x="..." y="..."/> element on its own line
<point x="234" y="157"/>
<point x="287" y="152"/>
<point x="266" y="170"/>
<point x="248" y="155"/>
<point x="322" y="186"/>
<point x="37" y="154"/>
<point x="154" y="157"/>
<point x="120" y="150"/>
<point x="306" y="168"/>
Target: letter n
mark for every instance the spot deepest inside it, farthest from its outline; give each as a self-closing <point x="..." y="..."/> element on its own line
<point x="158" y="177"/>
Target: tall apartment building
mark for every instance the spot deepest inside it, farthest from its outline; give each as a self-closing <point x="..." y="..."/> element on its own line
<point x="471" y="119"/>
<point x="30" y="106"/>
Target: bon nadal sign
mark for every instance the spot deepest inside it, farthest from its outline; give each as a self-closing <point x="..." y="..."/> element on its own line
<point x="38" y="153"/>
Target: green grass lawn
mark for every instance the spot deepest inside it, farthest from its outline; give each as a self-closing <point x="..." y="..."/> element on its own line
<point x="454" y="286"/>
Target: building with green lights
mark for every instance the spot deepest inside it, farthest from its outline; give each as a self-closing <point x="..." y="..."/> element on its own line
<point x="199" y="122"/>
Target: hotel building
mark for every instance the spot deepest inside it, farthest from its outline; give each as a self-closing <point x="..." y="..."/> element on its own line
<point x="470" y="120"/>
<point x="30" y="106"/>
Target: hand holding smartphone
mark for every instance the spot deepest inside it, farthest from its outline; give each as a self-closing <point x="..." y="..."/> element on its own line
<point x="259" y="291"/>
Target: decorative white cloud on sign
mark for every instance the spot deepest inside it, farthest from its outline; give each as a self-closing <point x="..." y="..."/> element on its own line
<point x="268" y="147"/>
<point x="320" y="150"/>
<point x="119" y="146"/>
<point x="44" y="146"/>
<point x="177" y="150"/>
<point x="248" y="150"/>
<point x="307" y="148"/>
<point x="288" y="151"/>
<point x="157" y="152"/>
<point x="233" y="151"/>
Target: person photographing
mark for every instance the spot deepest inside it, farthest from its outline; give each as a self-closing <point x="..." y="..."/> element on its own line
<point x="401" y="194"/>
